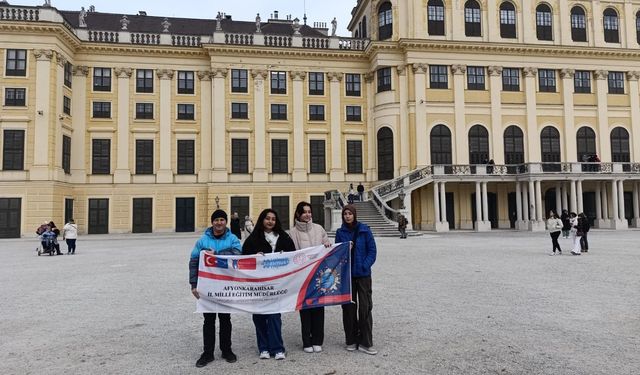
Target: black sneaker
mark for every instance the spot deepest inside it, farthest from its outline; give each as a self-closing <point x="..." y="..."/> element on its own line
<point x="229" y="357"/>
<point x="204" y="360"/>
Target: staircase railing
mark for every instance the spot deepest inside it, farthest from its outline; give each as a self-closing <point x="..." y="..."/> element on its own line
<point x="393" y="188"/>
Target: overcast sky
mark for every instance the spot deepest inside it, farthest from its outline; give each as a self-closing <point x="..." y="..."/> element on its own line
<point x="242" y="10"/>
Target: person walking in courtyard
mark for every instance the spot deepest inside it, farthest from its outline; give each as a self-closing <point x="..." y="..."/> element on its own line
<point x="584" y="220"/>
<point x="554" y="226"/>
<point x="305" y="233"/>
<point x="566" y="225"/>
<point x="268" y="237"/>
<point x="402" y="226"/>
<point x="69" y="235"/>
<point x="56" y="231"/>
<point x="575" y="234"/>
<point x="356" y="316"/>
<point x="219" y="240"/>
<point x="235" y="225"/>
<point x="360" y="189"/>
<point x="352" y="194"/>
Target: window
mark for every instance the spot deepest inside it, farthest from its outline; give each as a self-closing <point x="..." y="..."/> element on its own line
<point x="101" y="156"/>
<point x="547" y="80"/>
<point x="611" y="26"/>
<point x="317" y="156"/>
<point x="544" y="22"/>
<point x="13" y="150"/>
<point x="511" y="79"/>
<point x="441" y="150"/>
<point x="278" y="82"/>
<point x="239" y="80"/>
<point x="186" y="156"/>
<point x="15" y="97"/>
<point x="513" y="147"/>
<point x="578" y="24"/>
<point x="66" y="154"/>
<point x="144" y="156"/>
<point x="352" y="84"/>
<point x="316" y="112"/>
<point x="582" y="82"/>
<point x="101" y="79"/>
<point x="638" y="27"/>
<point x="616" y="82"/>
<point x="186" y="112"/>
<point x="240" y="110"/>
<point x="241" y="206"/>
<point x="438" y="76"/>
<point x="478" y="145"/>
<point x="585" y="145"/>
<point x="385" y="21"/>
<point x="280" y="204"/>
<point x="620" y="146"/>
<point x="472" y="22"/>
<point x="475" y="78"/>
<point x="507" y="20"/>
<point x="354" y="113"/>
<point x="279" y="156"/>
<point x="278" y="111"/>
<point x="239" y="156"/>
<point x="144" y="80"/>
<point x="316" y="83"/>
<point x="144" y="111"/>
<point x="363" y="34"/>
<point x="317" y="207"/>
<point x="185" y="82"/>
<point x="354" y="156"/>
<point x="68" y="74"/>
<point x="435" y="17"/>
<point x="16" y="62"/>
<point x="66" y="105"/>
<point x="101" y="109"/>
<point x="550" y="149"/>
<point x="384" y="79"/>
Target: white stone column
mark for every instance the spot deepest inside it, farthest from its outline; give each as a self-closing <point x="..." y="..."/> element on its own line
<point x="597" y="26"/>
<point x="260" y="173"/>
<point x="528" y="21"/>
<point x="634" y="101"/>
<point x="497" y="133"/>
<point x="443" y="202"/>
<point x="558" y="198"/>
<point x="78" y="121"/>
<point x="573" y="205"/>
<point x="420" y="82"/>
<point x="525" y="202"/>
<point x="532" y="133"/>
<point x="621" y="200"/>
<point x="539" y="207"/>
<point x="614" y="201"/>
<point x="460" y="136"/>
<point x="60" y="63"/>
<point x="564" y="25"/>
<point x="122" y="174"/>
<point x="165" y="173"/>
<point x="636" y="205"/>
<point x="219" y="134"/>
<point x="518" y="202"/>
<point x="598" y="203"/>
<point x="532" y="201"/>
<point x="206" y="126"/>
<point x="478" y="205"/>
<point x="485" y="203"/>
<point x="436" y="203"/>
<point x="337" y="173"/>
<point x="405" y="139"/>
<point x="605" y="201"/>
<point x="602" y="131"/>
<point x="299" y="170"/>
<point x="579" y="195"/>
<point x="565" y="197"/>
<point x="44" y="115"/>
<point x="371" y="132"/>
<point x="570" y="151"/>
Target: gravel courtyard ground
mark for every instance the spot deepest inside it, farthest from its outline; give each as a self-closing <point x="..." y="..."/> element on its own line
<point x="455" y="303"/>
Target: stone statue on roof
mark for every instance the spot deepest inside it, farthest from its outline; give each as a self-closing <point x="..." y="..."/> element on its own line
<point x="82" y="17"/>
<point x="165" y="25"/>
<point x="124" y="22"/>
<point x="334" y="26"/>
<point x="219" y="21"/>
<point x="258" y="26"/>
<point x="296" y="26"/>
<point x="47" y="3"/>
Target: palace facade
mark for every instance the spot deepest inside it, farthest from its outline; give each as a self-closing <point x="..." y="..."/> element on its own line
<point x="460" y="114"/>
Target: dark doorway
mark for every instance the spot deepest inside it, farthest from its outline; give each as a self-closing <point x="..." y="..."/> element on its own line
<point x="185" y="214"/>
<point x="628" y="207"/>
<point x="492" y="202"/>
<point x="385" y="154"/>
<point x="550" y="203"/>
<point x="451" y="214"/>
<point x="142" y="215"/>
<point x="68" y="209"/>
<point x="513" y="210"/>
<point x="478" y="146"/>
<point x="241" y="206"/>
<point x="10" y="217"/>
<point x="589" y="205"/>
<point x="98" y="216"/>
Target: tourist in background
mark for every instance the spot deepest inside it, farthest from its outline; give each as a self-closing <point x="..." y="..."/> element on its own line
<point x="360" y="189"/>
<point x="554" y="226"/>
<point x="583" y="220"/>
<point x="575" y="234"/>
<point x="56" y="231"/>
<point x="566" y="225"/>
<point x="235" y="225"/>
<point x="402" y="225"/>
<point x="70" y="234"/>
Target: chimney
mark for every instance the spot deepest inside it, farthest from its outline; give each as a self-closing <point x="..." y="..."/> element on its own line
<point x="142" y="13"/>
<point x="275" y="14"/>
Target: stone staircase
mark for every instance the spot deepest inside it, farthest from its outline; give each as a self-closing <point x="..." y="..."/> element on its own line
<point x="368" y="214"/>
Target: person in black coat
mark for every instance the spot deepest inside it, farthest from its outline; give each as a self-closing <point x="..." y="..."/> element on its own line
<point x="235" y="225"/>
<point x="566" y="225"/>
<point x="268" y="237"/>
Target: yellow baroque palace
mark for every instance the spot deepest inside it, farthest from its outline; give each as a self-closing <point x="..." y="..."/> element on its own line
<point x="459" y="114"/>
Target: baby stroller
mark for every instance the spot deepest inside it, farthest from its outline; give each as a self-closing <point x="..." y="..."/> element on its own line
<point x="47" y="245"/>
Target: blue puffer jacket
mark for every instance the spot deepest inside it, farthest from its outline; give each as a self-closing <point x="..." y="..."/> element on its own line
<point x="227" y="244"/>
<point x="365" y="251"/>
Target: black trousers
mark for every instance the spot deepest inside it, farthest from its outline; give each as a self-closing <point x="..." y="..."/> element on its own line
<point x="356" y="316"/>
<point x="554" y="241"/>
<point x="71" y="245"/>
<point x="312" y="326"/>
<point x="209" y="332"/>
<point x="584" y="243"/>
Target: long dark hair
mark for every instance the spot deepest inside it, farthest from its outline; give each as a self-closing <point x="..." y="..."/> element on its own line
<point x="259" y="227"/>
<point x="300" y="210"/>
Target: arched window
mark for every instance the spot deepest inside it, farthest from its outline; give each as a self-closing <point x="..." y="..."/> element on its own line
<point x="385" y="21"/>
<point x="435" y="17"/>
<point x="385" y="154"/>
<point x="550" y="149"/>
<point x="544" y="22"/>
<point x="638" y="27"/>
<point x="441" y="145"/>
<point x="357" y="34"/>
<point x="513" y="148"/>
<point x="478" y="145"/>
<point x="472" y="19"/>
<point x="578" y="24"/>
<point x="620" y="147"/>
<point x="586" y="146"/>
<point x="363" y="33"/>
<point x="507" y="20"/>
<point x="611" y="26"/>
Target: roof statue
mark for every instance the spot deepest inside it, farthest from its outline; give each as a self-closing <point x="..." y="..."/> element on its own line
<point x="124" y="22"/>
<point x="258" y="26"/>
<point x="47" y="3"/>
<point x="165" y="25"/>
<point x="296" y="26"/>
<point x="334" y="26"/>
<point x="219" y="22"/>
<point x="81" y="18"/>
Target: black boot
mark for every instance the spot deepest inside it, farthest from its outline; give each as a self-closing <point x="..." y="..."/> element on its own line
<point x="204" y="359"/>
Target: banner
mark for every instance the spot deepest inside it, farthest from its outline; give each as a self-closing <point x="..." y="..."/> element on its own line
<point x="276" y="282"/>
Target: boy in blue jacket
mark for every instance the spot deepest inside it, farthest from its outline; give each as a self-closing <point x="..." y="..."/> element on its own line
<point x="217" y="239"/>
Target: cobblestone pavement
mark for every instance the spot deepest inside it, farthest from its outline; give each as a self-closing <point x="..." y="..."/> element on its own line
<point x="455" y="303"/>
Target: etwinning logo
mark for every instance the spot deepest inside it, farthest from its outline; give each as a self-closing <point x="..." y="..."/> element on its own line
<point x="275" y="263"/>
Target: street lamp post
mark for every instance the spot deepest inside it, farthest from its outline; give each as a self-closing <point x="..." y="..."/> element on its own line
<point x="401" y="196"/>
<point x="217" y="199"/>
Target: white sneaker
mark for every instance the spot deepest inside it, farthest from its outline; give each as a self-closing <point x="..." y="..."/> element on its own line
<point x="265" y="355"/>
<point x="370" y="350"/>
<point x="280" y="355"/>
<point x="308" y="349"/>
<point x="352" y="347"/>
<point x="317" y="348"/>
